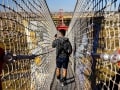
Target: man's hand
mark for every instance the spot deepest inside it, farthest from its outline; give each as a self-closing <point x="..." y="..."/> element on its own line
<point x="55" y="36"/>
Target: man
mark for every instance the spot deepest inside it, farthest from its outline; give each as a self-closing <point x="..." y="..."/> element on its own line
<point x="63" y="51"/>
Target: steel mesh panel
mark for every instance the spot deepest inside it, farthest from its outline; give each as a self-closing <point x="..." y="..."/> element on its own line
<point x="94" y="31"/>
<point x="25" y="37"/>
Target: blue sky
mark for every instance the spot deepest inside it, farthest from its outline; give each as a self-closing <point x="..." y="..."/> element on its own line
<point x="66" y="5"/>
<point x="55" y="5"/>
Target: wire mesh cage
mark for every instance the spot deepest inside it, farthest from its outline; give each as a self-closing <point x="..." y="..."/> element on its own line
<point x="94" y="33"/>
<point x="25" y="44"/>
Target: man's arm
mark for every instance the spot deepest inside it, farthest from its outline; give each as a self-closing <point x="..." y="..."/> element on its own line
<point x="54" y="43"/>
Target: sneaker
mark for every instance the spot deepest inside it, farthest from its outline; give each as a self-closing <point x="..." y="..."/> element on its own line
<point x="63" y="82"/>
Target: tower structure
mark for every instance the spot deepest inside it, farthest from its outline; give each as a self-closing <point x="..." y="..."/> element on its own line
<point x="61" y="24"/>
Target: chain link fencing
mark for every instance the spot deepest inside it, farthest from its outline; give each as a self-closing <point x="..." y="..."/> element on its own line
<point x="26" y="31"/>
<point x="95" y="35"/>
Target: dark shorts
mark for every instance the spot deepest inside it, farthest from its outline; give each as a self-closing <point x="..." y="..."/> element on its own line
<point x="62" y="62"/>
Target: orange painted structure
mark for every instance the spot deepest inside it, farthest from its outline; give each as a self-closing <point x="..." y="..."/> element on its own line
<point x="61" y="24"/>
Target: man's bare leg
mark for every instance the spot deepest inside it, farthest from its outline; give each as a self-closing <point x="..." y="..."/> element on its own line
<point x="58" y="73"/>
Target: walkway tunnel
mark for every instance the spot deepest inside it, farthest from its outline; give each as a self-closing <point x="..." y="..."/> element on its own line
<point x="27" y="59"/>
